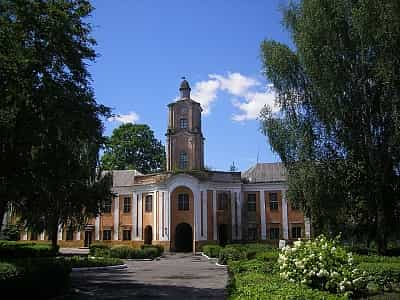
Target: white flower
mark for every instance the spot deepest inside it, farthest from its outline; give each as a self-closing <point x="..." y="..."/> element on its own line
<point x="297" y="243"/>
<point x="333" y="249"/>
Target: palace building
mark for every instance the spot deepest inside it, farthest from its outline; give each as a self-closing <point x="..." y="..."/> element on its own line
<point x="187" y="205"/>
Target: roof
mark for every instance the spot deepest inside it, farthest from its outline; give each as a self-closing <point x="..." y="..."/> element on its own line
<point x="265" y="172"/>
<point x="124" y="177"/>
<point x="184" y="85"/>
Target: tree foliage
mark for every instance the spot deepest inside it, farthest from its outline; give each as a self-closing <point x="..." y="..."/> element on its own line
<point x="338" y="131"/>
<point x="133" y="146"/>
<point x="50" y="123"/>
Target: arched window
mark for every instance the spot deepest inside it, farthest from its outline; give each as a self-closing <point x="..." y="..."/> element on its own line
<point x="182" y="160"/>
<point x="149" y="203"/>
<point x="183" y="123"/>
<point x="183" y="202"/>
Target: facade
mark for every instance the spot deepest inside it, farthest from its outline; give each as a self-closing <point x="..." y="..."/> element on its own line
<point x="187" y="206"/>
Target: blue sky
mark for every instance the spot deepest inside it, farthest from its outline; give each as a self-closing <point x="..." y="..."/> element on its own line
<point x="146" y="46"/>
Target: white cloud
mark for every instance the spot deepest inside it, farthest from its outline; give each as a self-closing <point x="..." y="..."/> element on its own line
<point x="235" y="83"/>
<point x="252" y="105"/>
<point x="205" y="92"/>
<point x="130" y="117"/>
<point x="249" y="97"/>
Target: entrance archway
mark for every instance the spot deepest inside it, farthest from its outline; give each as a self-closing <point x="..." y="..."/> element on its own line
<point x="148" y="235"/>
<point x="183" y="238"/>
<point x="223" y="234"/>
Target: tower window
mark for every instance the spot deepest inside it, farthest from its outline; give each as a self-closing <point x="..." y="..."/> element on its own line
<point x="182" y="160"/>
<point x="273" y="201"/>
<point x="183" y="202"/>
<point x="149" y="203"/>
<point x="183" y="123"/>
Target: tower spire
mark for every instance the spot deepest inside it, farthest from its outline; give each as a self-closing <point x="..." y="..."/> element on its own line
<point x="185" y="89"/>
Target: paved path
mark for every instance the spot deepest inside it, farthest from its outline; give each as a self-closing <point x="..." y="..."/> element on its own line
<point x="176" y="276"/>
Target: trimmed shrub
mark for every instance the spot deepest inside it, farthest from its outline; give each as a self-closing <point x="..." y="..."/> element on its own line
<point x="81" y="262"/>
<point x="101" y="250"/>
<point x="211" y="250"/>
<point x="11" y="249"/>
<point x="126" y="252"/>
<point x="228" y="254"/>
<point x="28" y="276"/>
<point x="160" y="249"/>
<point x="383" y="274"/>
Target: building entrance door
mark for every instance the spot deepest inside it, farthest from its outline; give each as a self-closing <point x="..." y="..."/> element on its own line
<point x="88" y="238"/>
<point x="183" y="238"/>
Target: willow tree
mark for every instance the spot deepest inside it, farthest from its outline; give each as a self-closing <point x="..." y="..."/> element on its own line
<point x="50" y="123"/>
<point x="338" y="129"/>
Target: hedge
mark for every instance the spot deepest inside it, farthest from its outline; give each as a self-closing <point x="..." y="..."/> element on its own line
<point x="97" y="249"/>
<point x="42" y="277"/>
<point x="211" y="250"/>
<point x="85" y="262"/>
<point x="227" y="254"/>
<point x="160" y="249"/>
<point x="11" y="249"/>
<point x="384" y="274"/>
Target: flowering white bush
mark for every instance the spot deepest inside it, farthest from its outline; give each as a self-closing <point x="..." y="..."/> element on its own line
<point x="321" y="263"/>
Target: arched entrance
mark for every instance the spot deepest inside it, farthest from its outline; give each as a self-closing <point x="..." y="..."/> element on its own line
<point x="183" y="238"/>
<point x="148" y="235"/>
<point x="222" y="234"/>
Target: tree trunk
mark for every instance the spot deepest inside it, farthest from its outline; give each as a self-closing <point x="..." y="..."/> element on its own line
<point x="54" y="236"/>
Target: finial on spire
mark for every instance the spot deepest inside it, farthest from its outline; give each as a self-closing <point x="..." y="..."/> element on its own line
<point x="185" y="88"/>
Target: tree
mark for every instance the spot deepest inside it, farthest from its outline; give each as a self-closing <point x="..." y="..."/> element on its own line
<point x="50" y="124"/>
<point x="338" y="131"/>
<point x="133" y="146"/>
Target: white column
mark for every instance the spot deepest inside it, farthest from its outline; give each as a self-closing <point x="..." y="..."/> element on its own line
<point x="284" y="216"/>
<point x="25" y="236"/>
<point x="197" y="214"/>
<point x="215" y="214"/>
<point x="59" y="233"/>
<point x="41" y="236"/>
<point x="167" y="215"/>
<point x="116" y="217"/>
<point x="262" y="210"/>
<point x="161" y="208"/>
<point x="307" y="228"/>
<point x="97" y="229"/>
<point x="154" y="215"/>
<point x="78" y="235"/>
<point x="134" y="216"/>
<point x="140" y="216"/>
<point x="4" y="221"/>
<point x="204" y="214"/>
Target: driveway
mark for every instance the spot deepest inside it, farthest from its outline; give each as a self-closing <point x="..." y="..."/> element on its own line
<point x="176" y="276"/>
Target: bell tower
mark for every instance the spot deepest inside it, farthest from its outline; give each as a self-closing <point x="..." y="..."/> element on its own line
<point x="185" y="141"/>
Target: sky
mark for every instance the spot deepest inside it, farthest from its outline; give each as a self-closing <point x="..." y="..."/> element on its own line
<point x="146" y="46"/>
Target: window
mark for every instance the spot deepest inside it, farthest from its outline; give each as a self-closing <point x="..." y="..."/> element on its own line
<point x="127" y="204"/>
<point x="107" y="206"/>
<point x="274" y="233"/>
<point x="183" y="202"/>
<point x="222" y="201"/>
<point x="251" y="202"/>
<point x="296" y="232"/>
<point x="70" y="235"/>
<point x="149" y="203"/>
<point x="252" y="232"/>
<point x="273" y="201"/>
<point x="182" y="160"/>
<point x="107" y="235"/>
<point x="126" y="235"/>
<point x="183" y="123"/>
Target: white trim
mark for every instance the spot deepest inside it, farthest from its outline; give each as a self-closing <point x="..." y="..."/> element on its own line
<point x="97" y="229"/>
<point x="134" y="216"/>
<point x="168" y="215"/>
<point x="41" y="236"/>
<point x="25" y="236"/>
<point x="284" y="216"/>
<point x="116" y="218"/>
<point x="204" y="201"/>
<point x="78" y="235"/>
<point x="233" y="221"/>
<point x="59" y="233"/>
<point x="154" y="211"/>
<point x="140" y="216"/>
<point x="307" y="228"/>
<point x="262" y="210"/>
<point x="215" y="235"/>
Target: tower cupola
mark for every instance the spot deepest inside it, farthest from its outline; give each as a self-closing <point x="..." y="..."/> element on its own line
<point x="185" y="89"/>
